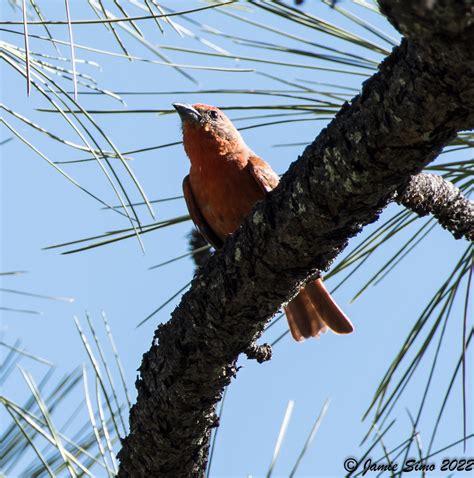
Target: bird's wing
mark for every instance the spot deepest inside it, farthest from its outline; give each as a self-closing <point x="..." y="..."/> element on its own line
<point x="266" y="178"/>
<point x="198" y="218"/>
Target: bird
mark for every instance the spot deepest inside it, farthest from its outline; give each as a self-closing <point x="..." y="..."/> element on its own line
<point x="225" y="180"/>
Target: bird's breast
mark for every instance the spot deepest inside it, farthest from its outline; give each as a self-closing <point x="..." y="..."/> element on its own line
<point x="225" y="192"/>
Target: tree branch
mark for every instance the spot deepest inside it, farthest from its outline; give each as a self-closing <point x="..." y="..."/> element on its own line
<point x="430" y="194"/>
<point x="405" y="115"/>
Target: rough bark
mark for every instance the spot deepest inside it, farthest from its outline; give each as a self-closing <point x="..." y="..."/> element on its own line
<point x="429" y="194"/>
<point x="421" y="97"/>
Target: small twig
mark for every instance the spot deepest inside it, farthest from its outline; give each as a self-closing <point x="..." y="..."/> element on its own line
<point x="260" y="353"/>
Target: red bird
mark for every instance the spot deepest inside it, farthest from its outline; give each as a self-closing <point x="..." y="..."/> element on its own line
<point x="226" y="179"/>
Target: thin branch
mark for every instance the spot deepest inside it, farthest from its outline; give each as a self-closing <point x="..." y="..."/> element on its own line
<point x="429" y="194"/>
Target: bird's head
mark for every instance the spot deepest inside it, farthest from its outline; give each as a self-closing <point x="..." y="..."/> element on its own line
<point x="207" y="130"/>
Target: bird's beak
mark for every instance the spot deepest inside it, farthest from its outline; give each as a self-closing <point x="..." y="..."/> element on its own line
<point x="187" y="112"/>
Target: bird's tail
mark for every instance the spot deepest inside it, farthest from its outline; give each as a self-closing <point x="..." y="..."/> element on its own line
<point x="313" y="311"/>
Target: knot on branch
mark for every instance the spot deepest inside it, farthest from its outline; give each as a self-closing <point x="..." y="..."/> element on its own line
<point x="260" y="353"/>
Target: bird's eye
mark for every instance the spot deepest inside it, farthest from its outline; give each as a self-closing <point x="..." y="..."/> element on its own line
<point x="213" y="114"/>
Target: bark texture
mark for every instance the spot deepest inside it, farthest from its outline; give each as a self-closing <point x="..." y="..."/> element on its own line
<point x="421" y="97"/>
<point x="430" y="194"/>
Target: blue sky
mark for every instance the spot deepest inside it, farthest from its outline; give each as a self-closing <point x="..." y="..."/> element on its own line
<point x="40" y="208"/>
